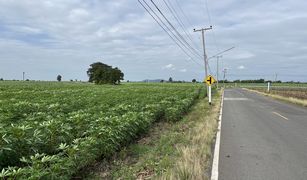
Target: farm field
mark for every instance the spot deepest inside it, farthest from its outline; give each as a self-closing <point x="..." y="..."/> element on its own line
<point x="293" y="92"/>
<point x="290" y="90"/>
<point x="51" y="130"/>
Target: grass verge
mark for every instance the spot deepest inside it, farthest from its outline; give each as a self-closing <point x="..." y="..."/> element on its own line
<point x="282" y="98"/>
<point x="177" y="150"/>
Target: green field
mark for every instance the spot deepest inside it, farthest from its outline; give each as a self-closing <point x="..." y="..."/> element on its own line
<point x="51" y="130"/>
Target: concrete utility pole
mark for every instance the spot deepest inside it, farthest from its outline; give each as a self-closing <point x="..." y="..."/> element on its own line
<point x="275" y="77"/>
<point x="217" y="70"/>
<point x="23" y="76"/>
<point x="204" y="47"/>
<point x="224" y="71"/>
<point x="218" y="55"/>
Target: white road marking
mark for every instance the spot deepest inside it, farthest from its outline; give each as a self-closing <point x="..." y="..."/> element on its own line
<point x="235" y="99"/>
<point x="280" y="115"/>
<point x="215" y="163"/>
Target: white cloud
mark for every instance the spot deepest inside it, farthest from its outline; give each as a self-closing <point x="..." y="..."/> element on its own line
<point x="183" y="70"/>
<point x="241" y="67"/>
<point x="76" y="15"/>
<point x="169" y="66"/>
<point x="27" y="30"/>
<point x="242" y="55"/>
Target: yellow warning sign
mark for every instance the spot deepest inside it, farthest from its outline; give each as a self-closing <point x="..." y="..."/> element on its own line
<point x="210" y="80"/>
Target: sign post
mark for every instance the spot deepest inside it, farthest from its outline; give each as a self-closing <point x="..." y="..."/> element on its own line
<point x="209" y="80"/>
<point x="209" y="95"/>
<point x="269" y="86"/>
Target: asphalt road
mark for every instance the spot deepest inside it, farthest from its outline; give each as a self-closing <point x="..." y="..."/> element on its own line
<point x="262" y="138"/>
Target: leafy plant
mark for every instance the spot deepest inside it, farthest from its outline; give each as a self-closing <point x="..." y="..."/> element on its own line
<point x="53" y="129"/>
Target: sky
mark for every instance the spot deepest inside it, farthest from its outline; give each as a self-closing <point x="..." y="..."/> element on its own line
<point x="44" y="38"/>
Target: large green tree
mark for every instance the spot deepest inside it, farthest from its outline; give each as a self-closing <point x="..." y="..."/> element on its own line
<point x="101" y="73"/>
<point x="59" y="78"/>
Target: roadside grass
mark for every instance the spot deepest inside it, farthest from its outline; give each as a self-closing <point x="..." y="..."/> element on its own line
<point x="195" y="157"/>
<point x="300" y="102"/>
<point x="171" y="150"/>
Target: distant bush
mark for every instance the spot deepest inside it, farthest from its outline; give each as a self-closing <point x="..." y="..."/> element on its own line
<point x="1" y="79"/>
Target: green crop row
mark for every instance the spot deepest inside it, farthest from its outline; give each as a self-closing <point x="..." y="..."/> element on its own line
<point x="50" y="130"/>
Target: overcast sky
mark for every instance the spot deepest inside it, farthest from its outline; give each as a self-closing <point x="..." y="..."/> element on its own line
<point x="45" y="38"/>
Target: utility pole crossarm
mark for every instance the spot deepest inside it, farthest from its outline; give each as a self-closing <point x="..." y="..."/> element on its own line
<point x="203" y="29"/>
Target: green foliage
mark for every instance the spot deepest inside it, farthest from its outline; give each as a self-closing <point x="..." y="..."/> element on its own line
<point x="170" y="79"/>
<point x="100" y="73"/>
<point x="50" y="130"/>
<point x="59" y="78"/>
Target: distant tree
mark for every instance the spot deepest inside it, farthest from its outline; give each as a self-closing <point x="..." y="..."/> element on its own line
<point x="100" y="73"/>
<point x="170" y="79"/>
<point x="193" y="80"/>
<point x="253" y="81"/>
<point x="128" y="81"/>
<point x="161" y="81"/>
<point x="71" y="80"/>
<point x="59" y="78"/>
<point x="116" y="76"/>
<point x="1" y="79"/>
<point x="27" y="80"/>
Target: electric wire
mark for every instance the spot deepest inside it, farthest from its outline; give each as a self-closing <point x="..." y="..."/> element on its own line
<point x="185" y="16"/>
<point x="173" y="11"/>
<point x="172" y="26"/>
<point x="168" y="30"/>
<point x="178" y="38"/>
<point x="210" y="21"/>
<point x="191" y="58"/>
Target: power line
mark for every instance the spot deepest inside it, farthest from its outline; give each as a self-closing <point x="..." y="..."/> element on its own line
<point x="188" y="20"/>
<point x="208" y="13"/>
<point x="178" y="38"/>
<point x="191" y="58"/>
<point x="181" y="37"/>
<point x="209" y="69"/>
<point x="210" y="21"/>
<point x="180" y="22"/>
<point x="221" y="53"/>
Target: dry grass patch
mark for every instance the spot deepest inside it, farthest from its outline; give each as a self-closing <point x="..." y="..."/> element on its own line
<point x="301" y="102"/>
<point x="194" y="160"/>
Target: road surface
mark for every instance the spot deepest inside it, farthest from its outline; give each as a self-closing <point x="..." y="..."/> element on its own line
<point x="262" y="138"/>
